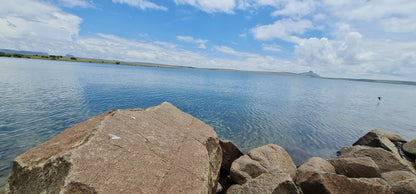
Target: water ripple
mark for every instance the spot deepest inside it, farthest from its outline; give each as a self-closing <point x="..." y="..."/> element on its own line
<point x="308" y="117"/>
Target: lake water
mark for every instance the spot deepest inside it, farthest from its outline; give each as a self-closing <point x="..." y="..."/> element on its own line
<point x="306" y="116"/>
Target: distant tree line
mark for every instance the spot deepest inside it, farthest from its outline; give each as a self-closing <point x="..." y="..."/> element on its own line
<point x="17" y="55"/>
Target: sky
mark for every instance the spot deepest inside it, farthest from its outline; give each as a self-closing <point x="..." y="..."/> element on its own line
<point x="373" y="39"/>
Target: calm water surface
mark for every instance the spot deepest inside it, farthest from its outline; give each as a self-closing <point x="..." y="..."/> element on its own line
<point x="306" y="116"/>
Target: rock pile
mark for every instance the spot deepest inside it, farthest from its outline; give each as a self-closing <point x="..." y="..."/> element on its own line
<point x="164" y="150"/>
<point x="372" y="165"/>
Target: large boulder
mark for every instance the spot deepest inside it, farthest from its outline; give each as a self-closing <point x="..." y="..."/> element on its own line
<point x="395" y="176"/>
<point x="375" y="138"/>
<point x="407" y="186"/>
<point x="268" y="158"/>
<point x="316" y="164"/>
<point x="356" y="167"/>
<point x="410" y="148"/>
<point x="326" y="183"/>
<point x="267" y="183"/>
<point x="156" y="150"/>
<point x="385" y="160"/>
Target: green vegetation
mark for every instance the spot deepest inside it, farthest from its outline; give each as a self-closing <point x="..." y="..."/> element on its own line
<point x="74" y="59"/>
<point x="61" y="58"/>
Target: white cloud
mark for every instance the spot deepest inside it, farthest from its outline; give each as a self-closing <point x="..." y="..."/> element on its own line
<point x="43" y="27"/>
<point x="185" y="38"/>
<point x="76" y="3"/>
<point x="117" y="48"/>
<point x="142" y="4"/>
<point x="355" y="41"/>
<point x="166" y="44"/>
<point x="376" y="16"/>
<point x="296" y="8"/>
<point x="210" y="6"/>
<point x="231" y="51"/>
<point x="357" y="57"/>
<point x="189" y="39"/>
<point x="372" y="9"/>
<point x="35" y="21"/>
<point x="273" y="48"/>
<point x="285" y="29"/>
<point x="399" y="25"/>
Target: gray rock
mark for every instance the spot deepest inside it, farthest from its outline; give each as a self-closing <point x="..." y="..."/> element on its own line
<point x="356" y="167"/>
<point x="375" y="138"/>
<point x="385" y="160"/>
<point x="230" y="152"/>
<point x="395" y="176"/>
<point x="325" y="183"/>
<point x="410" y="148"/>
<point x="316" y="164"/>
<point x="267" y="183"/>
<point x="407" y="186"/>
<point x="268" y="158"/>
<point x="156" y="150"/>
<point x="244" y="169"/>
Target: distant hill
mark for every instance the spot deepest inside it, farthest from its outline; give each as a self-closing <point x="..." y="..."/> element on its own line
<point x="9" y="51"/>
<point x="309" y="74"/>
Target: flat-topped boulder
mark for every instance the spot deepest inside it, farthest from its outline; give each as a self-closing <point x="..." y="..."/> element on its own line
<point x="156" y="150"/>
<point x="335" y="183"/>
<point x="376" y="138"/>
<point x="265" y="159"/>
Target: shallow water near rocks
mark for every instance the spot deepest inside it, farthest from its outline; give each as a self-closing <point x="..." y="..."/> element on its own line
<point x="306" y="116"/>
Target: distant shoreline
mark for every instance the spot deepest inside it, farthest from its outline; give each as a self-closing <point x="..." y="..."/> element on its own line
<point x="115" y="62"/>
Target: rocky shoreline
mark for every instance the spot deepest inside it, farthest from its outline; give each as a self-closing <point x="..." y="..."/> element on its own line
<point x="164" y="150"/>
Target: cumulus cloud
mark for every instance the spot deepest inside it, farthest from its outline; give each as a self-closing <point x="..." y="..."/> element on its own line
<point x="190" y="39"/>
<point x="357" y="57"/>
<point x="49" y="29"/>
<point x="210" y="6"/>
<point x="35" y="21"/>
<point x="361" y="39"/>
<point x="285" y="29"/>
<point x="371" y="10"/>
<point x="378" y="16"/>
<point x="117" y="48"/>
<point x="142" y="4"/>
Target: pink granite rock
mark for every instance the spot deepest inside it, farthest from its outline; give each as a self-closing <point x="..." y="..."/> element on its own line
<point x="157" y="150"/>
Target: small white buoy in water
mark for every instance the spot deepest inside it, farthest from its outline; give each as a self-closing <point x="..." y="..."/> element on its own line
<point x="114" y="136"/>
<point x="133" y="117"/>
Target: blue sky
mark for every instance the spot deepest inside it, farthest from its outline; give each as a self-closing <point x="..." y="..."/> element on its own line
<point x="357" y="39"/>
